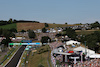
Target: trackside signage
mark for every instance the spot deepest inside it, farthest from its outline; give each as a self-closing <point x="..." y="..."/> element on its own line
<point x="25" y="43"/>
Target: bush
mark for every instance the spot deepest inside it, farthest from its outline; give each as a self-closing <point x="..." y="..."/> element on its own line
<point x="13" y="30"/>
<point x="46" y="25"/>
<point x="44" y="39"/>
<point x="44" y="30"/>
<point x="22" y="31"/>
<point x="31" y="34"/>
<point x="40" y="65"/>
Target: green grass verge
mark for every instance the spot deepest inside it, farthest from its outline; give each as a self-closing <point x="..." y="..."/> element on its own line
<point x="57" y="25"/>
<point x="37" y="59"/>
<point x="23" y="58"/>
<point x="9" y="26"/>
<point x="10" y="55"/>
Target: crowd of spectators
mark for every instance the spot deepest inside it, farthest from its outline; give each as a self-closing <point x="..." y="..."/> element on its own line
<point x="54" y="45"/>
<point x="1" y="38"/>
<point x="87" y="63"/>
<point x="59" y="58"/>
<point x="90" y="63"/>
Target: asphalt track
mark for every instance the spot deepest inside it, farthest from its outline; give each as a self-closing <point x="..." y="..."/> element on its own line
<point x="15" y="59"/>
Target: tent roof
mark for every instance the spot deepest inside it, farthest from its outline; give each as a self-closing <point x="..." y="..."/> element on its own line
<point x="95" y="56"/>
<point x="83" y="50"/>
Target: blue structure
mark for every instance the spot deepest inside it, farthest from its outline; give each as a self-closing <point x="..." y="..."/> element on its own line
<point x="27" y="41"/>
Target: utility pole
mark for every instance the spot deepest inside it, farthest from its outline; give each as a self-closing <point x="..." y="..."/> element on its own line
<point x="48" y="41"/>
<point x="85" y="48"/>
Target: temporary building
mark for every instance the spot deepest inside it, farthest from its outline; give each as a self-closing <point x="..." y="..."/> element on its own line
<point x="95" y="56"/>
<point x="18" y="37"/>
<point x="71" y="42"/>
<point x="88" y="51"/>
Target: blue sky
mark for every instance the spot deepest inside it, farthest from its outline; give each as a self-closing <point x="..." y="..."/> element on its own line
<point x="51" y="11"/>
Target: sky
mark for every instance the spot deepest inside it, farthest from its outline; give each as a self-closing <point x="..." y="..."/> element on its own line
<point x="51" y="11"/>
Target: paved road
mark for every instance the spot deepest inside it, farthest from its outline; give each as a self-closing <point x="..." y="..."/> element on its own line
<point x="15" y="59"/>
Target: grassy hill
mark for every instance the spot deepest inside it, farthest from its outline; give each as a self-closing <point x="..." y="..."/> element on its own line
<point x="34" y="26"/>
<point x="9" y="26"/>
<point x="57" y="25"/>
<point x="29" y="25"/>
<point x="85" y="32"/>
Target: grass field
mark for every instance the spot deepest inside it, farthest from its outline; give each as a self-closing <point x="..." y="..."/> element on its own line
<point x="31" y="26"/>
<point x="9" y="26"/>
<point x="58" y="25"/>
<point x="37" y="59"/>
<point x="34" y="26"/>
<point x="23" y="60"/>
<point x="85" y="32"/>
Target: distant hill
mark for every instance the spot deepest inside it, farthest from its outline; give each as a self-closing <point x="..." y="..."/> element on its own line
<point x="58" y="25"/>
<point x="32" y="25"/>
<point x="26" y="21"/>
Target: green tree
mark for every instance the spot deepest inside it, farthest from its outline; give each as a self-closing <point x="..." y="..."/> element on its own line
<point x="58" y="35"/>
<point x="92" y="40"/>
<point x="14" y="20"/>
<point x="1" y="31"/>
<point x="22" y="31"/>
<point x="53" y="23"/>
<point x="6" y="41"/>
<point x="44" y="30"/>
<point x="70" y="33"/>
<point x="96" y="24"/>
<point x="31" y="34"/>
<point x="66" y="23"/>
<point x="12" y="35"/>
<point x="46" y="25"/>
<point x="10" y="21"/>
<point x="6" y="33"/>
<point x="45" y="39"/>
<point x="13" y="30"/>
<point x="40" y="65"/>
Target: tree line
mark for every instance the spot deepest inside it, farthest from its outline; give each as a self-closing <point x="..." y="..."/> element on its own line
<point x="69" y="32"/>
<point x="7" y="33"/>
<point x="95" y="24"/>
<point x="10" y="21"/>
<point x="92" y="40"/>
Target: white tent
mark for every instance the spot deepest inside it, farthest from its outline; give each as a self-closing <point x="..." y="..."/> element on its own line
<point x="71" y="42"/>
<point x="95" y="56"/>
<point x="89" y="52"/>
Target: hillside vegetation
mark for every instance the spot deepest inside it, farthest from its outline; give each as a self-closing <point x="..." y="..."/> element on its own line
<point x="30" y="25"/>
<point x="58" y="25"/>
<point x="85" y="32"/>
<point x="34" y="26"/>
<point x="9" y="26"/>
